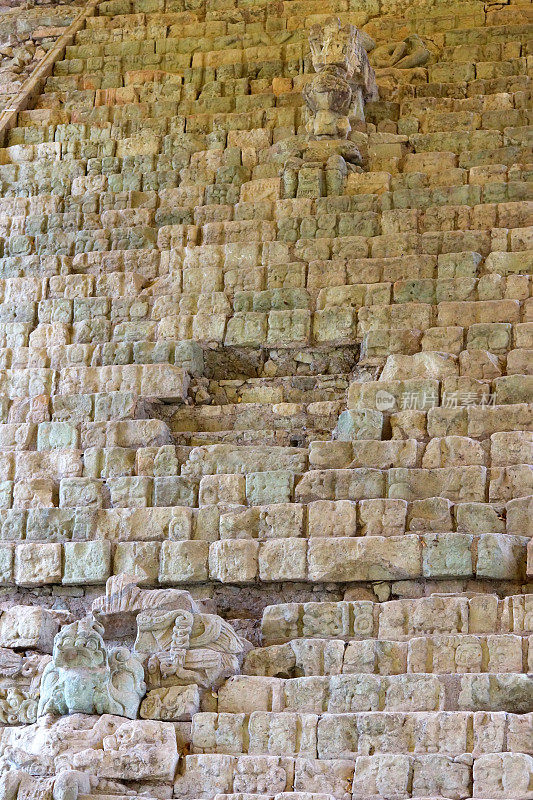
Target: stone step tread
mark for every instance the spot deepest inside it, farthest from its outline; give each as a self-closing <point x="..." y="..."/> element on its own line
<point x="223" y="518"/>
<point x="348" y="735"/>
<point x="340" y="693"/>
<point x="444" y="653"/>
<point x="399" y="620"/>
<point x="244" y="562"/>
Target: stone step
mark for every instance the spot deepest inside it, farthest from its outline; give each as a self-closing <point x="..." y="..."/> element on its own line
<point x="340" y="694"/>
<point x="290" y="437"/>
<point x="372" y="777"/>
<point x="222" y="515"/>
<point x="440" y="653"/>
<point x="418" y="209"/>
<point x="348" y="735"/>
<point x="486" y="557"/>
<point x="256" y="416"/>
<point x="123" y="272"/>
<point x="398" y="620"/>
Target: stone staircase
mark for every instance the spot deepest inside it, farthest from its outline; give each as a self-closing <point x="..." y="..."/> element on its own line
<point x="313" y="406"/>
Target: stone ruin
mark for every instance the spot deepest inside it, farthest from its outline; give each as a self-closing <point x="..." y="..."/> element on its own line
<point x="266" y="400"/>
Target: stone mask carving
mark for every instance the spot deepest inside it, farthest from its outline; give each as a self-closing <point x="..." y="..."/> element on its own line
<point x="343" y="83"/>
<point x="83" y="677"/>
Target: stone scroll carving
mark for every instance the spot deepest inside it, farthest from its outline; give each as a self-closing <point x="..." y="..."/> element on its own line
<point x="174" y="651"/>
<point x="185" y="650"/>
<point x="343" y="83"/>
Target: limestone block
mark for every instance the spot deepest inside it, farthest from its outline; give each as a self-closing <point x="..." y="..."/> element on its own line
<point x="282" y="734"/>
<point x="364" y="423"/>
<point x="508" y="483"/>
<point x="519" y="514"/>
<point x="485" y="420"/>
<point x="57" y="435"/>
<point x="86" y="562"/>
<point x="502" y="775"/>
<point x="457" y="484"/>
<point x="212" y="733"/>
<point x="17" y="437"/>
<point x="380" y="657"/>
<point x="233" y="560"/>
<point x="216" y="459"/>
<point x="421" y="365"/>
<point x="340" y="484"/>
<point x="38" y="564"/>
<point x="481" y="518"/>
<point x="175" y="490"/>
<point x="289" y="328"/>
<point x="174" y="703"/>
<point x="259" y="774"/>
<point x="247" y="329"/>
<point x="447" y="555"/>
<point x="130" y="492"/>
<point x="247" y="694"/>
<point x="222" y="489"/>
<point x="382" y="775"/>
<point x="332" y="518"/>
<point x="513" y="389"/>
<point x="416" y="394"/>
<point x="500" y="556"/>
<point x="382" y="517"/>
<point x="513" y="447"/>
<point x="28" y="627"/>
<point x="372" y="558"/>
<point x="431" y="514"/>
<point x="408" y="425"/>
<point x="333" y="778"/>
<point x="330" y="455"/>
<point x="402" y="619"/>
<point x="503" y="692"/>
<point x="453" y="451"/>
<point x="33" y="493"/>
<point x="183" y="561"/>
<point x="137" y="558"/>
<point x="82" y="492"/>
<point x="283" y="560"/>
<point x="274" y="486"/>
<point x="383" y="455"/>
<point x="441" y="775"/>
<point x="335" y="325"/>
<point x="281" y="520"/>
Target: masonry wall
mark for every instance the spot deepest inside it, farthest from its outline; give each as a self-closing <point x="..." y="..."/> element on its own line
<point x="297" y="389"/>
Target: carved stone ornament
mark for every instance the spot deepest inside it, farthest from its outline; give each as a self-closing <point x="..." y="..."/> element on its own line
<point x="83" y="677"/>
<point x="343" y="83"/>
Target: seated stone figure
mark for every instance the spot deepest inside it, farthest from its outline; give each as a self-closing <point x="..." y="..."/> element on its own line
<point x="84" y="678"/>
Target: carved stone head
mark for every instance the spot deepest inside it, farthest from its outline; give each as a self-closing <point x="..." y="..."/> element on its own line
<point x="333" y="46"/>
<point x="80" y="644"/>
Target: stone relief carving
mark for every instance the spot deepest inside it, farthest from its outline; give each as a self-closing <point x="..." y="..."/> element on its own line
<point x="84" y="677"/>
<point x="410" y="53"/>
<point x="183" y="651"/>
<point x="343" y="83"/>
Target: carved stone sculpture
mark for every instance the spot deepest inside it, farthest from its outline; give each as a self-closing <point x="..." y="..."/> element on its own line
<point x="343" y="83"/>
<point x="408" y="54"/>
<point x="84" y="677"/>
